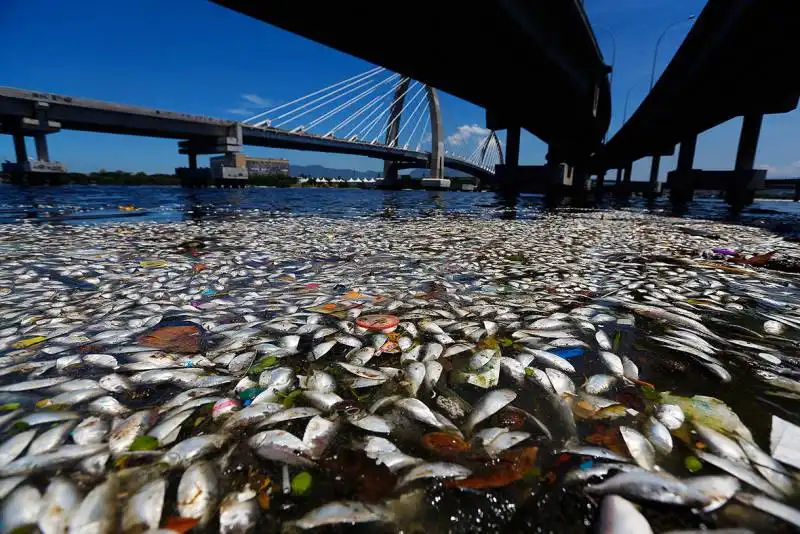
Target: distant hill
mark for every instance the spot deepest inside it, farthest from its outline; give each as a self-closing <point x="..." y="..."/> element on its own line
<point x="313" y="171"/>
<point x="319" y="170"/>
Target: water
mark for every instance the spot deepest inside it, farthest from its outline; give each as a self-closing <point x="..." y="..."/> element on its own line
<point x="266" y="263"/>
<point x="86" y="204"/>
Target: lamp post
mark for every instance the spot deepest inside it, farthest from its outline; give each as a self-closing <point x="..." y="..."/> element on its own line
<point x="613" y="64"/>
<point x="627" y="100"/>
<point x="658" y="44"/>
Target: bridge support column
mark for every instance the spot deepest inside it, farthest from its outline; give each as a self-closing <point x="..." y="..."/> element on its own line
<point x="599" y="186"/>
<point x="622" y="191"/>
<point x="20" y="151"/>
<point x="580" y="177"/>
<point x="655" y="163"/>
<point x="40" y="139"/>
<point x="741" y="189"/>
<point x="680" y="181"/>
<point x="192" y="161"/>
<point x="748" y="142"/>
<point x="390" y="175"/>
<point x="512" y="152"/>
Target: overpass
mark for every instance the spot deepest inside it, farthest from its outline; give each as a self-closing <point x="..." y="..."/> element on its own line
<point x="739" y="59"/>
<point x="34" y="113"/>
<point x="550" y="42"/>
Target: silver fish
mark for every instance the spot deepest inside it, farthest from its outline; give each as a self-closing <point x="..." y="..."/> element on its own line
<point x="198" y="492"/>
<point x="618" y="516"/>
<point x="60" y="499"/>
<point x="97" y="511"/>
<point x="143" y="509"/>
<point x="488" y="405"/>
<point x="648" y="486"/>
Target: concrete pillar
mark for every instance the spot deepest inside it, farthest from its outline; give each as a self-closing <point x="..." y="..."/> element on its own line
<point x="619" y="176"/>
<point x="681" y="187"/>
<point x="655" y="163"/>
<point x="512" y="151"/>
<point x="686" y="154"/>
<point x="628" y="173"/>
<point x="748" y="142"/>
<point x="192" y="160"/>
<point x="599" y="184"/>
<point x="42" y="154"/>
<point x="20" y="150"/>
<point x="396" y="110"/>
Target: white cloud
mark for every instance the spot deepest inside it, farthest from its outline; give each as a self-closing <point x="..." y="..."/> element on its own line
<point x="239" y="111"/>
<point x="466" y="132"/>
<point x="791" y="170"/>
<point x="257" y="100"/>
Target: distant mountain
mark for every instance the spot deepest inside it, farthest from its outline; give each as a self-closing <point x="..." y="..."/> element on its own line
<point x="314" y="171"/>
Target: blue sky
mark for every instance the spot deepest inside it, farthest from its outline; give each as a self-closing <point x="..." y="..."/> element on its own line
<point x="196" y="57"/>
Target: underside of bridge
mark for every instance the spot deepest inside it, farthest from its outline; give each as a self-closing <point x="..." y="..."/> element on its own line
<point x="738" y="60"/>
<point x="568" y="103"/>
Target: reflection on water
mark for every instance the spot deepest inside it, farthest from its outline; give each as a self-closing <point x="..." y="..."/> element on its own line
<point x="86" y="204"/>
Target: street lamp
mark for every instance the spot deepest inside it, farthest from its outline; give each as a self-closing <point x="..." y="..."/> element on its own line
<point x="613" y="52"/>
<point x="658" y="43"/>
<point x="627" y="99"/>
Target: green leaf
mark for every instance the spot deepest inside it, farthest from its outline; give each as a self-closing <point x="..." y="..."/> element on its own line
<point x="10" y="407"/>
<point x="301" y="483"/>
<point x="693" y="464"/>
<point x="617" y="341"/>
<point x="20" y="425"/>
<point x="262" y="365"/>
<point x="529" y="371"/>
<point x="144" y="443"/>
<point x="649" y="393"/>
<point x="291" y="398"/>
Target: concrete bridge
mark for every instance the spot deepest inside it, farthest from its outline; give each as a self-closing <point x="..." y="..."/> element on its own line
<point x="38" y="114"/>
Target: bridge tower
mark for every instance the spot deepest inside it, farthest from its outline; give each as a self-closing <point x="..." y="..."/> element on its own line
<point x="390" y="175"/>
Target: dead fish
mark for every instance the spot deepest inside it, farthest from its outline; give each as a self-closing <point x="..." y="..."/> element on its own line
<point x="97" y="511"/>
<point x="769" y="506"/>
<point x="338" y="512"/>
<point x="640" y="448"/>
<point x="658" y="435"/>
<point x="198" y="492"/>
<point x="143" y="509"/>
<point x="194" y="448"/>
<point x="60" y="499"/>
<point x="648" y="486"/>
<point x="618" y="516"/>
<point x="434" y="470"/>
<point x="488" y="405"/>
<point x="21" y="508"/>
<point x="238" y="513"/>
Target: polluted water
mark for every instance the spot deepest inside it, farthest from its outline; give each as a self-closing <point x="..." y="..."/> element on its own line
<point x="588" y="371"/>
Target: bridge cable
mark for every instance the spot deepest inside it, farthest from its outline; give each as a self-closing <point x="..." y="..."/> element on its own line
<point x="344" y="105"/>
<point x="363" y="108"/>
<point x="396" y="140"/>
<point x="325" y="98"/>
<point x="375" y="108"/>
<point x="374" y="122"/>
<point x="385" y="129"/>
<point x="329" y="100"/>
<point x="370" y="72"/>
<point x="414" y="130"/>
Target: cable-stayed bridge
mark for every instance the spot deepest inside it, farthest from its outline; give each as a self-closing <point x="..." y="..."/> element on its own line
<point x="376" y="113"/>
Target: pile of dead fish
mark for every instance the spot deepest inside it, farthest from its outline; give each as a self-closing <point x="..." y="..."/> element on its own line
<point x="287" y="374"/>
